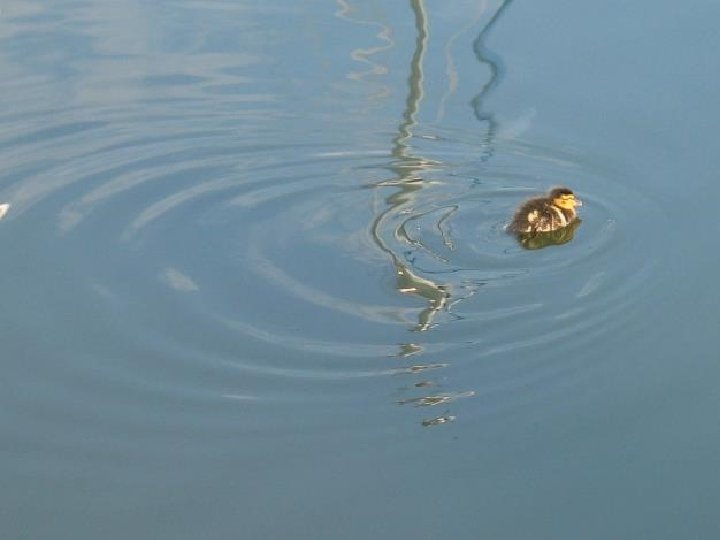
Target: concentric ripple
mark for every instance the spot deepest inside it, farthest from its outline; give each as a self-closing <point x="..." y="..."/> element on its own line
<point x="219" y="273"/>
<point x="198" y="266"/>
<point x="521" y="315"/>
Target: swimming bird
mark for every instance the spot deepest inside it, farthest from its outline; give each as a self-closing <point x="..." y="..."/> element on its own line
<point x="551" y="212"/>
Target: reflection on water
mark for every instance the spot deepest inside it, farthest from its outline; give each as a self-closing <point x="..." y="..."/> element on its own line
<point x="539" y="240"/>
<point x="409" y="171"/>
<point x="497" y="68"/>
<point x="365" y="55"/>
<point x="408" y="168"/>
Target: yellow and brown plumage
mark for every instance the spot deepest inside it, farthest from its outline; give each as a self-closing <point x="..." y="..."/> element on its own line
<point x="551" y="212"/>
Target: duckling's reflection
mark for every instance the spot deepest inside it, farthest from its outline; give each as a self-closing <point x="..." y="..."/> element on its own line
<point x="539" y="240"/>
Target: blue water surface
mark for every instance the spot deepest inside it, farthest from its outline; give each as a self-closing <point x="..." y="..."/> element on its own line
<point x="257" y="283"/>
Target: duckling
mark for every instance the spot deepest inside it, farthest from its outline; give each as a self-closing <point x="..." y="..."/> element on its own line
<point x="551" y="212"/>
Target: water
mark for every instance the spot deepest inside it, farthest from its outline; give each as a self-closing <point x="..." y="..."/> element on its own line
<point x="256" y="282"/>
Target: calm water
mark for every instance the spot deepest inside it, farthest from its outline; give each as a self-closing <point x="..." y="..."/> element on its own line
<point x="256" y="283"/>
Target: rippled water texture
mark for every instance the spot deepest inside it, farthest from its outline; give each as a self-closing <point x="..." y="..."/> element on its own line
<point x="257" y="281"/>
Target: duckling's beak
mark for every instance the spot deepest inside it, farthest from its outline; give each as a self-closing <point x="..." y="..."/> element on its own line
<point x="578" y="202"/>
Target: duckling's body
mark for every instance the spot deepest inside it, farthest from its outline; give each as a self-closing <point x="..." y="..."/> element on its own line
<point x="551" y="212"/>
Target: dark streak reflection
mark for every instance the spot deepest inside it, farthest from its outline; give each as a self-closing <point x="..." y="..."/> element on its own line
<point x="497" y="70"/>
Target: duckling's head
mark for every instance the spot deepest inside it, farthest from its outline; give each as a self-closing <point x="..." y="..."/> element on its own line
<point x="564" y="198"/>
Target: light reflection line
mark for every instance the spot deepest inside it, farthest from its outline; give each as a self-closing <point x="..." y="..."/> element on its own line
<point x="407" y="168"/>
<point x="364" y="55"/>
<point x="450" y="70"/>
